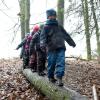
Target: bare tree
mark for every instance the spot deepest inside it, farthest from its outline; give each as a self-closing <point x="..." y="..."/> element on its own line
<point x="24" y="16"/>
<point x="60" y="11"/>
<point x="86" y="24"/>
<point x="96" y="27"/>
<point x="27" y="16"/>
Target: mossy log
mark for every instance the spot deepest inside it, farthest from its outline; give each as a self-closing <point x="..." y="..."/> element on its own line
<point x="51" y="90"/>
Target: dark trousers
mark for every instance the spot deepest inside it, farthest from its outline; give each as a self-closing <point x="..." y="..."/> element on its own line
<point x="33" y="61"/>
<point x="41" y="60"/>
<point x="25" y="60"/>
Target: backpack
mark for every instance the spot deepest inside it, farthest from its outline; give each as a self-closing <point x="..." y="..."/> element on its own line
<point x="55" y="38"/>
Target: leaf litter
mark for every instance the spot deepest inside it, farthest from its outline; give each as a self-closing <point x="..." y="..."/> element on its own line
<point x="13" y="85"/>
<point x="79" y="76"/>
<point x="82" y="75"/>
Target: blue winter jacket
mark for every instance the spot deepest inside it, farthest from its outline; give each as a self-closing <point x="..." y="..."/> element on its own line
<point x="54" y="36"/>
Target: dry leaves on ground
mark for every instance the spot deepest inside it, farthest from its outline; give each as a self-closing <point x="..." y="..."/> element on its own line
<point x="81" y="75"/>
<point x="13" y="85"/>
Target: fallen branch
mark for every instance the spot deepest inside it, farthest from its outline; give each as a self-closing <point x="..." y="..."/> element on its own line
<point x="77" y="58"/>
<point x="50" y="90"/>
<point x="94" y="93"/>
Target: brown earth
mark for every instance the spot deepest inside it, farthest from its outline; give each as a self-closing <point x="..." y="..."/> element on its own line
<point x="82" y="75"/>
<point x="13" y="85"/>
<point x="79" y="76"/>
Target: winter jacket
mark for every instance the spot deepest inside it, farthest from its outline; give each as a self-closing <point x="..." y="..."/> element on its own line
<point x="54" y="36"/>
<point x="21" y="44"/>
<point x="25" y="46"/>
<point x="35" y="43"/>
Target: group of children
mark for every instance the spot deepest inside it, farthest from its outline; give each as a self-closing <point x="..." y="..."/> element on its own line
<point x="33" y="57"/>
<point x="47" y="42"/>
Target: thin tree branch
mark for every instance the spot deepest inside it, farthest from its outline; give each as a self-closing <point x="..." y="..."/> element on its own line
<point x="7" y="15"/>
<point x="15" y="33"/>
<point x="4" y="4"/>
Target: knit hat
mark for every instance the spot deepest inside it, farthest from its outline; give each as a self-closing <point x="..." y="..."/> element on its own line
<point x="36" y="28"/>
<point x="51" y="12"/>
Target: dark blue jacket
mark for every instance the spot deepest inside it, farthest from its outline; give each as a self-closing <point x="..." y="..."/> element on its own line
<point x="54" y="36"/>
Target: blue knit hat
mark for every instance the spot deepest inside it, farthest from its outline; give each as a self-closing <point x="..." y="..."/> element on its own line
<point x="51" y="12"/>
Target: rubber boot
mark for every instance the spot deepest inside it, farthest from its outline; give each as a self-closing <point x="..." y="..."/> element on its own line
<point x="53" y="80"/>
<point x="59" y="81"/>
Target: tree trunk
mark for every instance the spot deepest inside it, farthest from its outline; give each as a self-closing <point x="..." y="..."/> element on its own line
<point x="27" y="16"/>
<point x="86" y="23"/>
<point x="22" y="18"/>
<point x="50" y="90"/>
<point x="96" y="27"/>
<point x="60" y="11"/>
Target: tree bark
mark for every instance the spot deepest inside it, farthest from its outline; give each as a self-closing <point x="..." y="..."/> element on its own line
<point x="27" y="16"/>
<point x="86" y="24"/>
<point x="22" y="18"/>
<point x="60" y="11"/>
<point x="50" y="90"/>
<point x="96" y="27"/>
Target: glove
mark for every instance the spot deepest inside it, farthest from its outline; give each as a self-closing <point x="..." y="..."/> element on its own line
<point x="21" y="57"/>
<point x="74" y="45"/>
<point x="16" y="49"/>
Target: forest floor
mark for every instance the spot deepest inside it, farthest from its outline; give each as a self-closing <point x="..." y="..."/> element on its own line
<point x="79" y="76"/>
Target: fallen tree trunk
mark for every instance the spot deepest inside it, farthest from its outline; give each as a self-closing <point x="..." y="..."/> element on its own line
<point x="50" y="90"/>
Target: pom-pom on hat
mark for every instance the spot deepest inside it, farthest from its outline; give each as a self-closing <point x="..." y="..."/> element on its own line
<point x="36" y="28"/>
